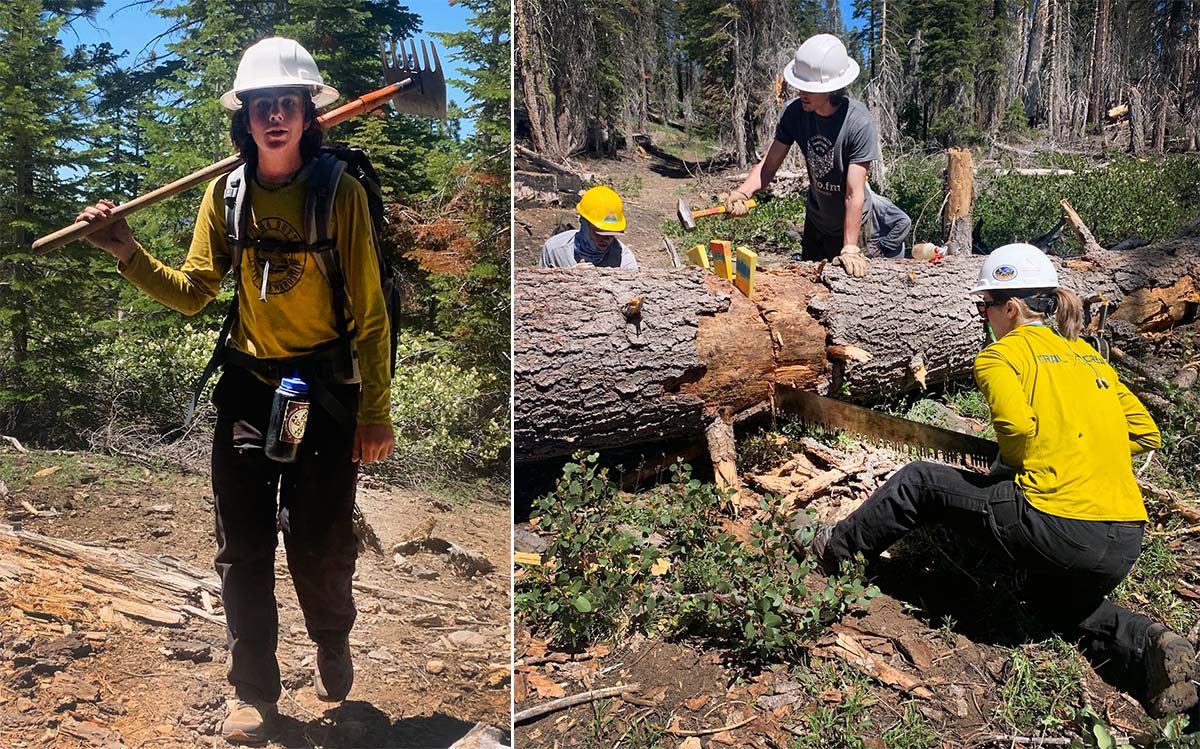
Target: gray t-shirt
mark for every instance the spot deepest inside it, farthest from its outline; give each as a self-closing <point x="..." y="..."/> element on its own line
<point x="559" y="252"/>
<point x="831" y="144"/>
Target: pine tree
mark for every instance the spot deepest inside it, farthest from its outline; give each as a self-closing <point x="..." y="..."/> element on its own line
<point x="48" y="302"/>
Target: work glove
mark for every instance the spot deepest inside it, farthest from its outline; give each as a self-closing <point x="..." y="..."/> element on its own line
<point x="853" y="261"/>
<point x="735" y="203"/>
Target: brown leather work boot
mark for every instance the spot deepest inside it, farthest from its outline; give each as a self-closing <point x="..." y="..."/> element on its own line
<point x="1171" y="673"/>
<point x="248" y="722"/>
<point x="335" y="672"/>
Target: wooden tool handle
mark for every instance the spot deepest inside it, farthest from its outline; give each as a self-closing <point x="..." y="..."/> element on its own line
<point x="81" y="229"/>
<point x="719" y="209"/>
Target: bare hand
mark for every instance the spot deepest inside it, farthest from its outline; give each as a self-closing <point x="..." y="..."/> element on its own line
<point x="735" y="203"/>
<point x="114" y="238"/>
<point x="853" y="261"/>
<point x="373" y="442"/>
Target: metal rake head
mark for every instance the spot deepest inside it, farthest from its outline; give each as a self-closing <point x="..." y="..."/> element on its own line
<point x="426" y="95"/>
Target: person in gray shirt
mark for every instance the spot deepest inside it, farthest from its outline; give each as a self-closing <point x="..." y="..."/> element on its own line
<point x="839" y="138"/>
<point x="601" y="219"/>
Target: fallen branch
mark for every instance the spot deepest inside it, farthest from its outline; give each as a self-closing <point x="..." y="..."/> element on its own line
<point x="1039" y="740"/>
<point x="385" y="593"/>
<point x="14" y="442"/>
<point x="707" y="731"/>
<point x="544" y="162"/>
<point x="1089" y="242"/>
<point x="563" y="703"/>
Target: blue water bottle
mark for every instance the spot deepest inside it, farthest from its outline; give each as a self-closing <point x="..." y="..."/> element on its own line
<point x="289" y="416"/>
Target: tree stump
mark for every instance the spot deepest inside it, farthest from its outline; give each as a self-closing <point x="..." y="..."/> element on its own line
<point x="960" y="199"/>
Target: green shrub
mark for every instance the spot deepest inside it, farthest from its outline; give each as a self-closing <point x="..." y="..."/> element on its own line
<point x="662" y="562"/>
<point x="446" y="417"/>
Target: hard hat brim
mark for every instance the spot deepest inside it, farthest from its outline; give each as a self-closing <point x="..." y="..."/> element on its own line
<point x="817" y="87"/>
<point x="606" y="233"/>
<point x="322" y="94"/>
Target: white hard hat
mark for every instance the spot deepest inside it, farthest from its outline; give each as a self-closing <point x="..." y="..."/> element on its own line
<point x="821" y="65"/>
<point x="278" y="63"/>
<point x="1016" y="266"/>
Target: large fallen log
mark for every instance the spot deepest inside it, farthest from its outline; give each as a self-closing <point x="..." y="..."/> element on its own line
<point x="586" y="377"/>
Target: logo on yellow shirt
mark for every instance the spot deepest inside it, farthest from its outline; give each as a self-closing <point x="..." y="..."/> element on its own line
<point x="286" y="268"/>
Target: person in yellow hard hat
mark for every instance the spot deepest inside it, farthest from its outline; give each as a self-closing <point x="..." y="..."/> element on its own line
<point x="602" y="219"/>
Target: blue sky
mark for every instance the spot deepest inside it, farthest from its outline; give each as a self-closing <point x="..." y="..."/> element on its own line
<point x="130" y="27"/>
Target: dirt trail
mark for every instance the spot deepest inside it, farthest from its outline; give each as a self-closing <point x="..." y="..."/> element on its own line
<point x="431" y="645"/>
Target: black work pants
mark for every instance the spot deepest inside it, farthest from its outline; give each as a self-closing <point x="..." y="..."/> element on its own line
<point x="315" y="512"/>
<point x="1071" y="564"/>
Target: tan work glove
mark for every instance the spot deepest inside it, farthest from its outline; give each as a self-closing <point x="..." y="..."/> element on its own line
<point x="735" y="203"/>
<point x="853" y="261"/>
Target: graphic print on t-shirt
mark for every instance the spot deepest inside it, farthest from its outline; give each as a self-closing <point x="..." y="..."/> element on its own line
<point x="819" y="156"/>
<point x="286" y="267"/>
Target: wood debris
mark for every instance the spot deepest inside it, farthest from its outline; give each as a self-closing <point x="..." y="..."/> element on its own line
<point x="845" y="645"/>
<point x="60" y="580"/>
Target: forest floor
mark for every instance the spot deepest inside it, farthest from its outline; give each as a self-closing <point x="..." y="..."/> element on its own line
<point x="939" y="659"/>
<point x="431" y="645"/>
<point x="650" y="182"/>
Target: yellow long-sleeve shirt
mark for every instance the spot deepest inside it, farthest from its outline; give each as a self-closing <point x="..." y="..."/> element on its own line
<point x="1068" y="438"/>
<point x="297" y="316"/>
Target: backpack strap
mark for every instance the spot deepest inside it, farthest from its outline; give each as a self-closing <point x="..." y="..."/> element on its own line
<point x="237" y="214"/>
<point x="318" y="211"/>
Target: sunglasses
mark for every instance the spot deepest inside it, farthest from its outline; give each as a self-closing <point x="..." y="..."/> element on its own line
<point x="982" y="306"/>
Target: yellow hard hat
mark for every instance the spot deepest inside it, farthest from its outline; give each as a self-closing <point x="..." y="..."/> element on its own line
<point x="603" y="210"/>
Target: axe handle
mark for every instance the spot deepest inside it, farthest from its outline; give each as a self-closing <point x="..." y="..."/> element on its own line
<point x="719" y="209"/>
<point x="81" y="229"/>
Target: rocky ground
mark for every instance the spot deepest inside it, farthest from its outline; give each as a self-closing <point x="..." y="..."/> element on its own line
<point x="94" y="651"/>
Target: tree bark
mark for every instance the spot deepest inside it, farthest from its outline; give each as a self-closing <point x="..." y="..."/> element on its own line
<point x="1033" y="61"/>
<point x="1099" y="56"/>
<point x="586" y="378"/>
<point x="1137" y="123"/>
<point x="960" y="198"/>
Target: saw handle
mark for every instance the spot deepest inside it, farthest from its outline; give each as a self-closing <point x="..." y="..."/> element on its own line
<point x="719" y="209"/>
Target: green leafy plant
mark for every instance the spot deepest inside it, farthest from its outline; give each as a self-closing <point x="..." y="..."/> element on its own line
<point x="670" y="561"/>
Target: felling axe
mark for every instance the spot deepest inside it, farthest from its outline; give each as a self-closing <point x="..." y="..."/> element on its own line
<point x="687" y="217"/>
<point x="415" y="86"/>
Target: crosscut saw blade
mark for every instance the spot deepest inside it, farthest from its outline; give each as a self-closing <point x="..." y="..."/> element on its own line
<point x="922" y="440"/>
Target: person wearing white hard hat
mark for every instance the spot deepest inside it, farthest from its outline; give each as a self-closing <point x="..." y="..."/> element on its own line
<point x="1061" y="503"/>
<point x="281" y="323"/>
<point x="842" y="217"/>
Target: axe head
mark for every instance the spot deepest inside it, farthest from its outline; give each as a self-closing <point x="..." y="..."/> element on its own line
<point x="426" y="96"/>
<point x="684" y="214"/>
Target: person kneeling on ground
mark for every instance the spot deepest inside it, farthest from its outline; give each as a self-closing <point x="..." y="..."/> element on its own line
<point x="601" y="220"/>
<point x="842" y="216"/>
<point x="1062" y="503"/>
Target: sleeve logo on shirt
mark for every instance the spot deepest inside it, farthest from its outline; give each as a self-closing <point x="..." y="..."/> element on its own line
<point x="286" y="268"/>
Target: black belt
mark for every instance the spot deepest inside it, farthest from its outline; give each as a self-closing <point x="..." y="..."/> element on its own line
<point x="316" y="369"/>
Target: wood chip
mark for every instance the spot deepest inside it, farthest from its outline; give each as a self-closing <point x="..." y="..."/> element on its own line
<point x="544" y="686"/>
<point x="849" y="649"/>
<point x="47" y="472"/>
<point x="697" y="702"/>
<point x="520" y="687"/>
<point x="917" y="651"/>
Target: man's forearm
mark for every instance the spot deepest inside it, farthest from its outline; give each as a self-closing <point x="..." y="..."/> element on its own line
<point x="852" y="225"/>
